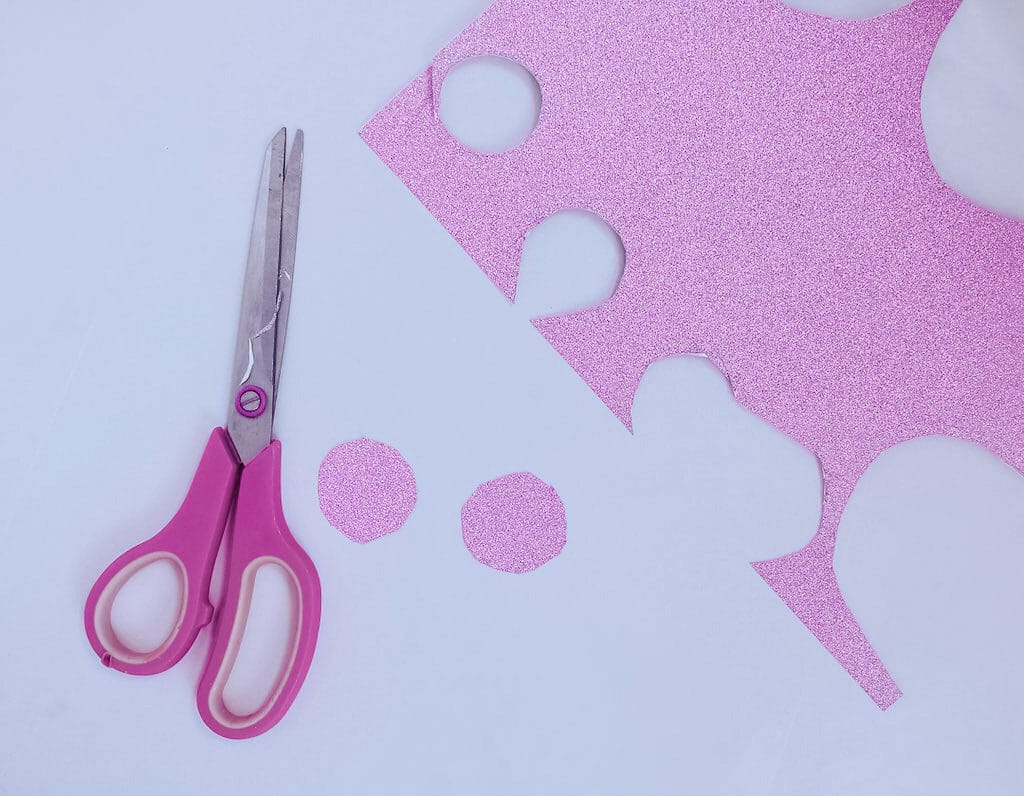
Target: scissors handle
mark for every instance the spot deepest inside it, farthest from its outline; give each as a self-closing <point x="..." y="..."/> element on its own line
<point x="190" y="542"/>
<point x="258" y="536"/>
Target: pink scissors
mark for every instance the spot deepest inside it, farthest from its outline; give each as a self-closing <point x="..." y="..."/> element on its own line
<point x="237" y="488"/>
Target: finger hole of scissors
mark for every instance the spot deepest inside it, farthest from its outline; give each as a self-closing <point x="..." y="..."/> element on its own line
<point x="265" y="646"/>
<point x="142" y="608"/>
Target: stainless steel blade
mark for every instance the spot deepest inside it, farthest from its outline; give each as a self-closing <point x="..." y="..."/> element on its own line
<point x="289" y="239"/>
<point x="250" y="415"/>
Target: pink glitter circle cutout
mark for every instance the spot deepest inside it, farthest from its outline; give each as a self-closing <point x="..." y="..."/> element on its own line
<point x="366" y="489"/>
<point x="514" y="523"/>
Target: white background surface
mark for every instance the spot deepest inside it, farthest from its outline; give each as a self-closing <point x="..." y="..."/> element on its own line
<point x="648" y="658"/>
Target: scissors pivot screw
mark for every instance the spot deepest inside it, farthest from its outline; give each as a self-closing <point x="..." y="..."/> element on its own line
<point x="251" y="401"/>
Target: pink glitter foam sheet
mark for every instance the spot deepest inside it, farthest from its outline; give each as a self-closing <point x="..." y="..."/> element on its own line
<point x="768" y="174"/>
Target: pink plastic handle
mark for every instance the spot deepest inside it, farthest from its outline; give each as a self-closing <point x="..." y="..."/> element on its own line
<point x="190" y="542"/>
<point x="259" y="537"/>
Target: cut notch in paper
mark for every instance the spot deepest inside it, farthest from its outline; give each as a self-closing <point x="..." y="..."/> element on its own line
<point x="572" y="260"/>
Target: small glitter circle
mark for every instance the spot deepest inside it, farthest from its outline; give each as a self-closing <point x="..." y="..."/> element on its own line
<point x="366" y="488"/>
<point x="514" y="523"/>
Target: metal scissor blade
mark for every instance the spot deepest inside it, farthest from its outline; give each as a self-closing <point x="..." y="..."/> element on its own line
<point x="289" y="238"/>
<point x="250" y="415"/>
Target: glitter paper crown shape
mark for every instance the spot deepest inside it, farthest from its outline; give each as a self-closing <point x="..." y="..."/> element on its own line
<point x="768" y="174"/>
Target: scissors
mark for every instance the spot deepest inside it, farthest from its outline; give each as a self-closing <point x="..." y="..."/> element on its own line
<point x="236" y="493"/>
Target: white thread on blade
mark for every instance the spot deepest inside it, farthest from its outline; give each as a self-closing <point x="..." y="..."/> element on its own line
<point x="248" y="370"/>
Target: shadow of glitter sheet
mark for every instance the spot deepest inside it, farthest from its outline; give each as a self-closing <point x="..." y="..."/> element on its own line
<point x="768" y="174"/>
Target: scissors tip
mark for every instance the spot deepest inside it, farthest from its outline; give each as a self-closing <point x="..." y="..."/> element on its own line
<point x="279" y="139"/>
<point x="297" y="141"/>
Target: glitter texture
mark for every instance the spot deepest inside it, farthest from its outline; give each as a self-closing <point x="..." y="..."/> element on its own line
<point x="514" y="523"/>
<point x="366" y="489"/>
<point x="768" y="173"/>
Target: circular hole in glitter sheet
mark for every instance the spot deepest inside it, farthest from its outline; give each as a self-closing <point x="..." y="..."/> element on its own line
<point x="490" y="104"/>
<point x="514" y="523"/>
<point x="572" y="260"/>
<point x="848" y="9"/>
<point x="366" y="488"/>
